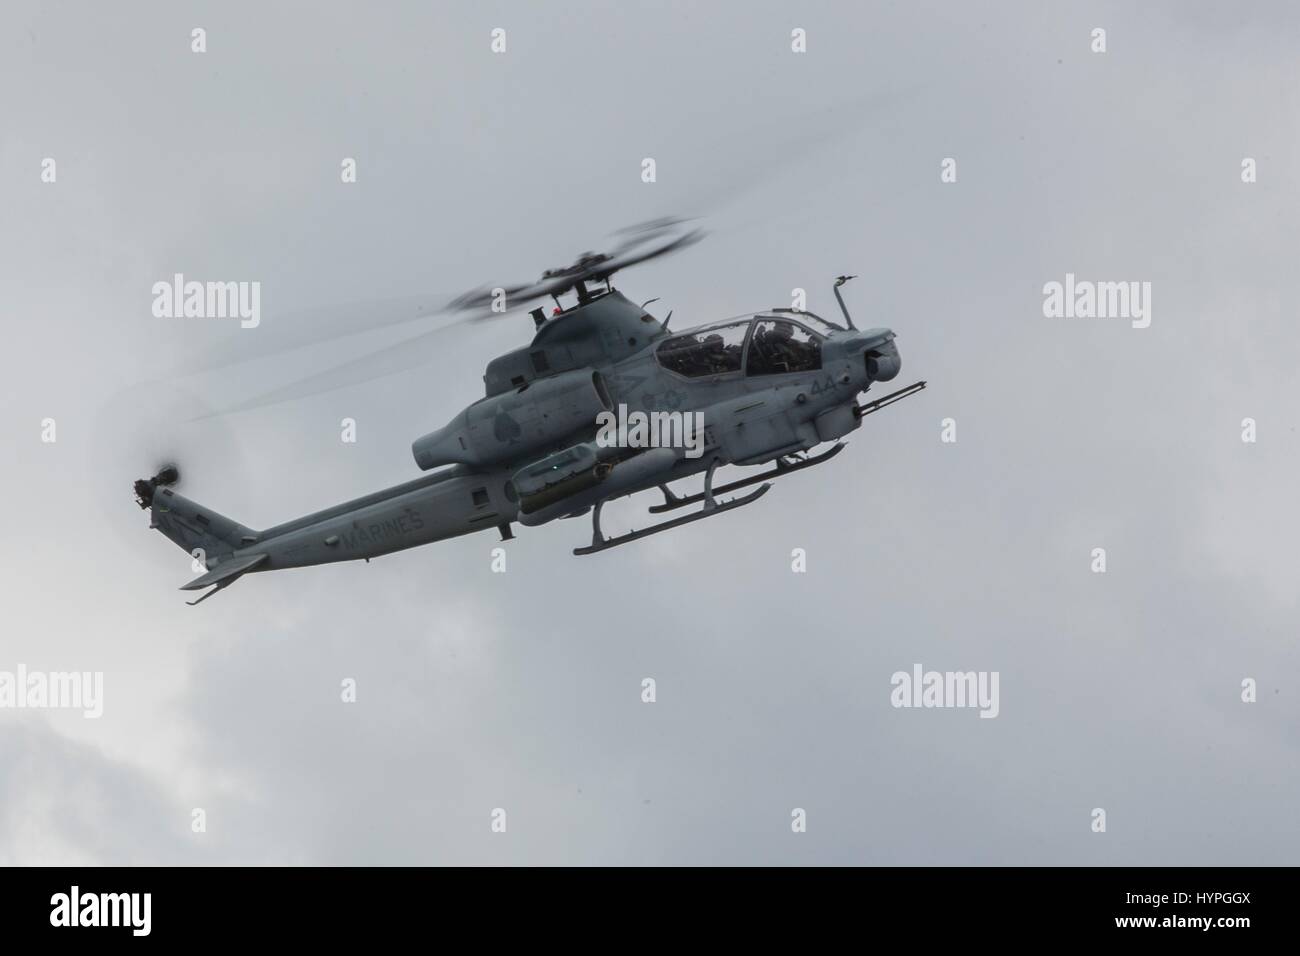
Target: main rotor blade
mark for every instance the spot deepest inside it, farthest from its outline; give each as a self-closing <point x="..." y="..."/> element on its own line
<point x="401" y="356"/>
<point x="622" y="262"/>
<point x="643" y="232"/>
<point x="826" y="128"/>
<point x="516" y="295"/>
<point x="591" y="267"/>
<point x="285" y="331"/>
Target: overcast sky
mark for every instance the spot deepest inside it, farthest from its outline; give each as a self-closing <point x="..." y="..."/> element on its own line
<point x="522" y="690"/>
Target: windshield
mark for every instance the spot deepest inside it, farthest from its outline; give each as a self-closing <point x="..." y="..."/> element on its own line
<point x="820" y="324"/>
<point x="710" y="351"/>
<point x="810" y="319"/>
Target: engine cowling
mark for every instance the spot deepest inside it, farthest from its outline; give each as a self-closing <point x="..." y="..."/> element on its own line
<point x="509" y="426"/>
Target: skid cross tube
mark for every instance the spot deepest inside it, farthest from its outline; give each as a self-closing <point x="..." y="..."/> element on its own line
<point x="711" y="507"/>
<point x="784" y="466"/>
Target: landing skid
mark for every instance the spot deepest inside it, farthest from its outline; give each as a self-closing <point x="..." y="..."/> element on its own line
<point x="785" y="465"/>
<point x="711" y="507"/>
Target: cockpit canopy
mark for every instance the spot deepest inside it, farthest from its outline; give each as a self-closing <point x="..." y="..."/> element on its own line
<point x="766" y="344"/>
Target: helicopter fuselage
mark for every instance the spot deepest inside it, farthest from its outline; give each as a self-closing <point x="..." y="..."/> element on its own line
<point x="765" y="386"/>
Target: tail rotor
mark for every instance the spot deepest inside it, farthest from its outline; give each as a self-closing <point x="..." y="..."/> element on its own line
<point x="167" y="476"/>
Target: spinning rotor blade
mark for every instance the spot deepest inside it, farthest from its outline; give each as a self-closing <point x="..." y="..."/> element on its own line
<point x="413" y="352"/>
<point x="140" y="430"/>
<point x="665" y="235"/>
<point x="483" y="298"/>
<point x="820" y="130"/>
<point x="401" y="356"/>
<point x="285" y="331"/>
<point x="663" y="249"/>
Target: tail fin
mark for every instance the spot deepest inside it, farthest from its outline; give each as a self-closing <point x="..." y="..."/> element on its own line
<point x="193" y="527"/>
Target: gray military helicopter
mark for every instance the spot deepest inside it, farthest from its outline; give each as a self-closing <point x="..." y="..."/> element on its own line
<point x="760" y="389"/>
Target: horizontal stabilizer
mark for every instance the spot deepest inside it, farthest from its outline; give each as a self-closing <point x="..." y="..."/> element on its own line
<point x="226" y="572"/>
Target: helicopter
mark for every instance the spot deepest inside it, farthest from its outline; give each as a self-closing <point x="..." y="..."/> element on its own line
<point x="603" y="403"/>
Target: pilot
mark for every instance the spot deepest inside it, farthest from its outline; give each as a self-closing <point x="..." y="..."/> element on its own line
<point x="780" y="351"/>
<point x="713" y="354"/>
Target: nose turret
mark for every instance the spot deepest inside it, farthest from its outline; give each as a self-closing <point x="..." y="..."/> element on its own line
<point x="883" y="361"/>
<point x="876" y="350"/>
